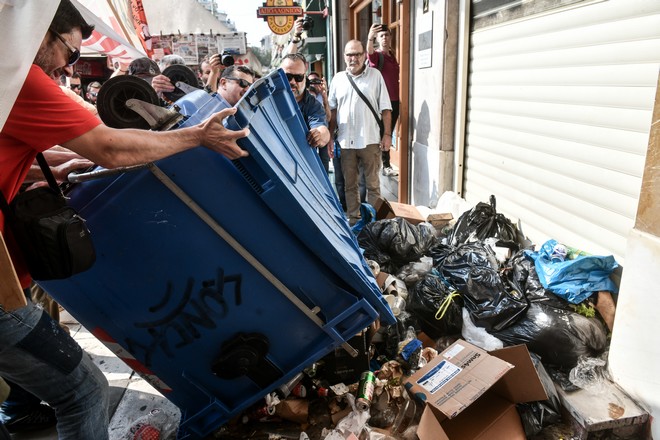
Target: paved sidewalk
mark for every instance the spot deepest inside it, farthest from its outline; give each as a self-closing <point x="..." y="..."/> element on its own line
<point x="131" y="397"/>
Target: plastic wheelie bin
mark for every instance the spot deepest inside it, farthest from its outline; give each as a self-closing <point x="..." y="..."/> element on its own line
<point x="219" y="280"/>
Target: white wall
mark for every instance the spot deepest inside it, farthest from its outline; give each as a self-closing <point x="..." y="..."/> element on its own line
<point x="426" y="109"/>
<point x="635" y="348"/>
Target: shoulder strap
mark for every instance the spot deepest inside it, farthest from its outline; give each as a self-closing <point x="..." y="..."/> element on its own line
<point x="381" y="61"/>
<point x="366" y="101"/>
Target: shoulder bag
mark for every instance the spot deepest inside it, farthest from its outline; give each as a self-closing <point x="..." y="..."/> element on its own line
<point x="51" y="236"/>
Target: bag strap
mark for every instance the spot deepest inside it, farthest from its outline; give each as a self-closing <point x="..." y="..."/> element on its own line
<point x="50" y="178"/>
<point x="381" y="61"/>
<point x="366" y="101"/>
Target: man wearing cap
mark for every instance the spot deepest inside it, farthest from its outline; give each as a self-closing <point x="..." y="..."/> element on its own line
<point x="36" y="353"/>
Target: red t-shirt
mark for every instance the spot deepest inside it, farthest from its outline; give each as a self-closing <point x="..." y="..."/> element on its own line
<point x="42" y="116"/>
<point x="389" y="70"/>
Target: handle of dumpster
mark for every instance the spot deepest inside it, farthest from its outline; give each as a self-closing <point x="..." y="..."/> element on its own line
<point x="103" y="172"/>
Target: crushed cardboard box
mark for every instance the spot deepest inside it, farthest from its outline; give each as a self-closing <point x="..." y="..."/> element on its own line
<point x="470" y="394"/>
<point x="439" y="221"/>
<point x="386" y="209"/>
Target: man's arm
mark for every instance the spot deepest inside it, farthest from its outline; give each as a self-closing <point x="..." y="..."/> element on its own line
<point x="61" y="162"/>
<point x="297" y="36"/>
<point x="373" y="31"/>
<point x="112" y="148"/>
<point x="386" y="141"/>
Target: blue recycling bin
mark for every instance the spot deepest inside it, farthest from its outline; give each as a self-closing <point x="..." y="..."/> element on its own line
<point x="219" y="280"/>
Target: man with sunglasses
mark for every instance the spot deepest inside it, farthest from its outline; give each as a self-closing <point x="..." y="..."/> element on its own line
<point x="294" y="66"/>
<point x="93" y="92"/>
<point x="234" y="82"/>
<point x="75" y="83"/>
<point x="35" y="353"/>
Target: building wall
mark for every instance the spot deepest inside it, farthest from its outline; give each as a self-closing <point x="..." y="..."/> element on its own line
<point x="433" y="73"/>
<point x="635" y="349"/>
<point x="559" y="107"/>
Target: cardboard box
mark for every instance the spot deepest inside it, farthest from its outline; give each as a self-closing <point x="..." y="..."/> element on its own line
<point x="439" y="221"/>
<point x="471" y="394"/>
<point x="386" y="209"/>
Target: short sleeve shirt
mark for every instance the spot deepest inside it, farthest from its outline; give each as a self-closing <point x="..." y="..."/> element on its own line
<point x="42" y="116"/>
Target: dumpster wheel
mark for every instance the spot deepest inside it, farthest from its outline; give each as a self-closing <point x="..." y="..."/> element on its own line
<point x="111" y="101"/>
<point x="179" y="73"/>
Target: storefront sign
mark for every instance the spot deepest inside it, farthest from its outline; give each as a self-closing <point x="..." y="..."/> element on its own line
<point x="280" y="15"/>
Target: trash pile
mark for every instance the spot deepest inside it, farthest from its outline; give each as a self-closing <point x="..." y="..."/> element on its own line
<point x="478" y="280"/>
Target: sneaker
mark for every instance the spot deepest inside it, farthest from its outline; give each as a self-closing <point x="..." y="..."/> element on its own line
<point x="41" y="417"/>
<point x="389" y="171"/>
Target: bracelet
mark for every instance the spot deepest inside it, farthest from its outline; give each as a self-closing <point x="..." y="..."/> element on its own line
<point x="296" y="40"/>
<point x="388" y="134"/>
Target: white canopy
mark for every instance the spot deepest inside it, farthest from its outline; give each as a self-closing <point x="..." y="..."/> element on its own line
<point x="181" y="16"/>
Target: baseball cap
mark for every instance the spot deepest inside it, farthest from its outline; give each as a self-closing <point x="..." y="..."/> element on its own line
<point x="143" y="67"/>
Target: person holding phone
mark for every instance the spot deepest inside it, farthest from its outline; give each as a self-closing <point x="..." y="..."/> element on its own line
<point x="383" y="59"/>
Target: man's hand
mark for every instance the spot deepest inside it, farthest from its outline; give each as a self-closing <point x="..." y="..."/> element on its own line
<point x="319" y="136"/>
<point x="386" y="142"/>
<point x="217" y="138"/>
<point x="373" y="31"/>
<point x="161" y="83"/>
<point x="215" y="61"/>
<point x="62" y="171"/>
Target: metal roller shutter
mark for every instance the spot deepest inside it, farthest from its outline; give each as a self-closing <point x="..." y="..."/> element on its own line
<point x="559" y="111"/>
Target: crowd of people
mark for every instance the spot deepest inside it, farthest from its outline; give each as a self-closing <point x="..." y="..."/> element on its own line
<point x="350" y="123"/>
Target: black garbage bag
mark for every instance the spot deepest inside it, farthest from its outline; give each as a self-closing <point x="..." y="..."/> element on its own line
<point x="482" y="222"/>
<point x="559" y="336"/>
<point x="395" y="242"/>
<point x="472" y="269"/>
<point x="520" y="273"/>
<point x="436" y="307"/>
<point x="537" y="415"/>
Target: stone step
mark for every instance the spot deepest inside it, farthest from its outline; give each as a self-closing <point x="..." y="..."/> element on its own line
<point x="605" y="413"/>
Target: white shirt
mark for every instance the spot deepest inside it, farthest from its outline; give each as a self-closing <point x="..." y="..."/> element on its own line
<point x="356" y="124"/>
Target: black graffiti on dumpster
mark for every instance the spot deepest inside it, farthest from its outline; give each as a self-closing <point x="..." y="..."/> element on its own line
<point x="195" y="310"/>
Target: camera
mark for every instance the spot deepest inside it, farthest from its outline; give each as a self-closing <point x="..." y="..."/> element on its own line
<point x="227" y="59"/>
<point x="307" y="23"/>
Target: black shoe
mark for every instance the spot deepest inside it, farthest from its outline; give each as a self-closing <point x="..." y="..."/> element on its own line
<point x="41" y="417"/>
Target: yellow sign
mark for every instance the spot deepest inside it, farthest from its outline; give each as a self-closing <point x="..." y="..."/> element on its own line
<point x="280" y="15"/>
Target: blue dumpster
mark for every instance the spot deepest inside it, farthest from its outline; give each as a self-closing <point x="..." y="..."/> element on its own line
<point x="220" y="280"/>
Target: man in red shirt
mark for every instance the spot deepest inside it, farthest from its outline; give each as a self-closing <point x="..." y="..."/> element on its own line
<point x="34" y="352"/>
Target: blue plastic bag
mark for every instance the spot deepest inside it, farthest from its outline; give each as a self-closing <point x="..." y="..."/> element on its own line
<point x="573" y="280"/>
<point x="367" y="215"/>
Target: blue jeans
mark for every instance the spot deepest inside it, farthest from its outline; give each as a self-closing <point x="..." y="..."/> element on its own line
<point x="38" y="355"/>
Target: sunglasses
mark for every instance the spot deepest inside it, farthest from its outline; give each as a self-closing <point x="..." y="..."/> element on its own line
<point x="244" y="84"/>
<point x="75" y="86"/>
<point x="75" y="53"/>
<point x="298" y="78"/>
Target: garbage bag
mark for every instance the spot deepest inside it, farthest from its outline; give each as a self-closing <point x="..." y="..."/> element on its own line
<point x="436" y="307"/>
<point x="482" y="222"/>
<point x="520" y="274"/>
<point x="574" y="280"/>
<point x="537" y="415"/>
<point x="395" y="242"/>
<point x="472" y="269"/>
<point x="478" y="335"/>
<point x="559" y="336"/>
<point x="590" y="374"/>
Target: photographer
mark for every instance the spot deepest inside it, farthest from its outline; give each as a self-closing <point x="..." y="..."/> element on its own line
<point x="214" y="66"/>
<point x="318" y="88"/>
<point x="301" y="25"/>
<point x="384" y="60"/>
